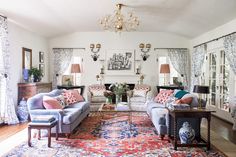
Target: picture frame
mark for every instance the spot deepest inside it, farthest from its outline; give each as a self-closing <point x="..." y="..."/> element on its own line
<point x="41" y="57"/>
<point x="120" y="62"/>
<point x="41" y="67"/>
<point x="67" y="80"/>
<point x="26" y="58"/>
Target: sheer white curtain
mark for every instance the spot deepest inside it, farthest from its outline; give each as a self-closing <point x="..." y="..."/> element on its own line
<point x="180" y="60"/>
<point x="7" y="107"/>
<point x="197" y="63"/>
<point x="62" y="58"/>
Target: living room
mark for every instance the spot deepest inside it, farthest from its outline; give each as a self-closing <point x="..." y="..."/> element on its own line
<point x="58" y="33"/>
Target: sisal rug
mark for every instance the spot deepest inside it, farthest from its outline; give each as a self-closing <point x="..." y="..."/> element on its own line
<point x="112" y="135"/>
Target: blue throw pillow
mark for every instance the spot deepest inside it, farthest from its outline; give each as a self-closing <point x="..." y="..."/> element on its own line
<point x="180" y="94"/>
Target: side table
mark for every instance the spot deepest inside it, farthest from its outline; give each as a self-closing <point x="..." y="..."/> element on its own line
<point x="48" y="126"/>
<point x="191" y="113"/>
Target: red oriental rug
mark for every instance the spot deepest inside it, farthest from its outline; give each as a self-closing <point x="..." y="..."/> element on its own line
<point x="114" y="135"/>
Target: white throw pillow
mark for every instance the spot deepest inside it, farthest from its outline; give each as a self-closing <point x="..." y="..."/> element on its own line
<point x="141" y="93"/>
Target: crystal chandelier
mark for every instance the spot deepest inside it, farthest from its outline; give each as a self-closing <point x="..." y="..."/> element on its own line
<point x="118" y="22"/>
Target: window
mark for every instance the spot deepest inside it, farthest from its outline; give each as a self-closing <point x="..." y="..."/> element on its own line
<point x="75" y="60"/>
<point x="169" y="77"/>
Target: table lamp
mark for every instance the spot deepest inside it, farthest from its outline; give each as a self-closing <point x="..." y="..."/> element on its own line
<point x="200" y="90"/>
<point x="75" y="68"/>
<point x="165" y="69"/>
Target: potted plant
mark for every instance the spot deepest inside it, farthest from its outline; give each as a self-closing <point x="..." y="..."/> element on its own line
<point x="36" y="74"/>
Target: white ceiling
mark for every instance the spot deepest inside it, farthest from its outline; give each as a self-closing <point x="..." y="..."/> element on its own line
<point x="51" y="18"/>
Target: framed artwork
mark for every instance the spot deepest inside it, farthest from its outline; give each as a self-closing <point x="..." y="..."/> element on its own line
<point x="120" y="62"/>
<point x="41" y="57"/>
<point x="26" y="58"/>
<point x="41" y="67"/>
<point x="67" y="80"/>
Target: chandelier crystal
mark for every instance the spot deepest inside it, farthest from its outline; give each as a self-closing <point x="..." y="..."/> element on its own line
<point x="118" y="22"/>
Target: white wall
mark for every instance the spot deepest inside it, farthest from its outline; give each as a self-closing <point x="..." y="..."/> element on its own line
<point x="108" y="41"/>
<point x="18" y="38"/>
<point x="215" y="33"/>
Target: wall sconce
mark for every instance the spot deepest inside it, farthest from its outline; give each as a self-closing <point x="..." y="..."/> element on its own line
<point x="145" y="48"/>
<point x="95" y="54"/>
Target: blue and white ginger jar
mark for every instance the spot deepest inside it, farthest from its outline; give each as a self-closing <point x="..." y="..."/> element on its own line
<point x="186" y="133"/>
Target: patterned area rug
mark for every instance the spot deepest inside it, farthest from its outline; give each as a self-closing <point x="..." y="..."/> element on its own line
<point x="111" y="135"/>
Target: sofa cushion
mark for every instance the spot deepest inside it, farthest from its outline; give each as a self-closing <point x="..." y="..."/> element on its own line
<point x="139" y="93"/>
<point x="80" y="105"/>
<point x="51" y="103"/>
<point x="98" y="99"/>
<point x="72" y="96"/>
<point x="71" y="114"/>
<point x="180" y="94"/>
<point x="138" y="99"/>
<point x="163" y="96"/>
<point x="151" y="105"/>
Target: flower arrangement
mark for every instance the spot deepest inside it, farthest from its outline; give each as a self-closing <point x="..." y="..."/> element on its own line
<point x="108" y="95"/>
<point x="119" y="88"/>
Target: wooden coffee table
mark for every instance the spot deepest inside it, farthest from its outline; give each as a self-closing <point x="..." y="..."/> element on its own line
<point x="114" y="109"/>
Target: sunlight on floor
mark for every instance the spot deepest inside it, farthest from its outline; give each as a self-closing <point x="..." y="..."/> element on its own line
<point x="13" y="141"/>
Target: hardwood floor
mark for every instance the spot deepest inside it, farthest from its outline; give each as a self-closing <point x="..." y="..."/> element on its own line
<point x="222" y="128"/>
<point x="8" y="130"/>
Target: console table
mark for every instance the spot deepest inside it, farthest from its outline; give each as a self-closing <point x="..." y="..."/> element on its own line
<point x="192" y="113"/>
<point x="72" y="87"/>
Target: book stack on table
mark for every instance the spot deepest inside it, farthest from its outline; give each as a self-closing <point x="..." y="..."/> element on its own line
<point x="43" y="119"/>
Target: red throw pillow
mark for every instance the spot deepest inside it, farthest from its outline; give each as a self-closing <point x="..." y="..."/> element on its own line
<point x="184" y="100"/>
<point x="72" y="96"/>
<point x="163" y="96"/>
<point x="51" y="103"/>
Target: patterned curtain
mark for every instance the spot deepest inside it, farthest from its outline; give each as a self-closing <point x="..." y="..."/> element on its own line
<point x="62" y="58"/>
<point x="7" y="107"/>
<point x="180" y="60"/>
<point x="230" y="50"/>
<point x="197" y="63"/>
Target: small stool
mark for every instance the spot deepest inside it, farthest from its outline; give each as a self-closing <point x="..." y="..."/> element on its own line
<point x="48" y="126"/>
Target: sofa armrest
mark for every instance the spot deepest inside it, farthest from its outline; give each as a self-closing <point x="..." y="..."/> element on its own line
<point x="149" y="96"/>
<point x="89" y="96"/>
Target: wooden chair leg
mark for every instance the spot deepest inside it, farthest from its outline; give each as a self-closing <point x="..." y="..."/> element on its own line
<point x="29" y="136"/>
<point x="162" y="137"/>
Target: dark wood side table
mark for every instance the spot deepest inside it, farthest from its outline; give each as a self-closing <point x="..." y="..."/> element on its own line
<point x="191" y="113"/>
<point x="72" y="87"/>
<point x="169" y="87"/>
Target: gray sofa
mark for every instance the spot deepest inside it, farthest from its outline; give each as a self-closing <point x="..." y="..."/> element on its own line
<point x="159" y="114"/>
<point x="68" y="118"/>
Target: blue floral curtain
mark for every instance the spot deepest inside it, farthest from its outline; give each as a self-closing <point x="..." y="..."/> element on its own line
<point x="180" y="60"/>
<point x="198" y="56"/>
<point x="62" y="58"/>
<point x="230" y="50"/>
<point x="7" y="107"/>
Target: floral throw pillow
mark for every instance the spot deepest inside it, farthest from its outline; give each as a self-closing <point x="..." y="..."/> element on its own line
<point x="163" y="96"/>
<point x="72" y="96"/>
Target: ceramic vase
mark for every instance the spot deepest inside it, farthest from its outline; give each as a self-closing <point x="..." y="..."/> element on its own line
<point x="186" y="133"/>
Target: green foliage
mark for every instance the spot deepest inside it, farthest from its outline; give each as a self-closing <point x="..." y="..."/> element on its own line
<point x="119" y="88"/>
<point x="36" y="72"/>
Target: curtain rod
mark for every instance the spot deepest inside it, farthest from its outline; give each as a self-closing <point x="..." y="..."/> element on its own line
<point x="3" y="16"/>
<point x="169" y="48"/>
<point x="69" y="48"/>
<point x="214" y="39"/>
